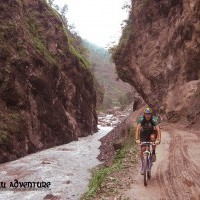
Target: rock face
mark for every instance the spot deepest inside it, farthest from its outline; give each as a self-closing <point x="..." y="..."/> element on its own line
<point x="47" y="96"/>
<point x="159" y="54"/>
<point x="137" y="100"/>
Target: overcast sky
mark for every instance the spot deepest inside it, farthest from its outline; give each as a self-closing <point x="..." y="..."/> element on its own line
<point x="96" y="20"/>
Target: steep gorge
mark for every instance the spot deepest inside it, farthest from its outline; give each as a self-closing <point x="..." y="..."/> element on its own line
<point x="159" y="54"/>
<point x="104" y="71"/>
<point x="47" y="95"/>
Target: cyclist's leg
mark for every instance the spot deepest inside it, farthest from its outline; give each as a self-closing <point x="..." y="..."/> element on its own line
<point x="144" y="137"/>
<point x="143" y="148"/>
<point x="153" y="137"/>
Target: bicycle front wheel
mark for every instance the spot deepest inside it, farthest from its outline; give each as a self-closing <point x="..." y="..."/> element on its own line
<point x="149" y="167"/>
<point x="149" y="174"/>
<point x="145" y="170"/>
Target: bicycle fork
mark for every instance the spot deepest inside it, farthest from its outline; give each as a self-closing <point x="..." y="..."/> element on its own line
<point x="147" y="157"/>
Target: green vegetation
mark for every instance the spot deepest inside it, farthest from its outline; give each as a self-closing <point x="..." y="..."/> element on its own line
<point x="79" y="56"/>
<point x="126" y="99"/>
<point x="43" y="50"/>
<point x="108" y="103"/>
<point x="143" y="2"/>
<point x="11" y="123"/>
<point x="140" y="5"/>
<point x="95" y="58"/>
<point x="32" y="26"/>
<point x="101" y="174"/>
<point x="128" y="34"/>
<point x="99" y="51"/>
<point x="100" y="91"/>
<point x="105" y="74"/>
<point x="4" y="137"/>
<point x="74" y="41"/>
<point x="34" y="29"/>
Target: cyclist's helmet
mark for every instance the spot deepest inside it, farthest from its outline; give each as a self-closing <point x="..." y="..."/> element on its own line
<point x="148" y="111"/>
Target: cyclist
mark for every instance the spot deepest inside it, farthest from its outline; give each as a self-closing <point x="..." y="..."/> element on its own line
<point x="145" y="127"/>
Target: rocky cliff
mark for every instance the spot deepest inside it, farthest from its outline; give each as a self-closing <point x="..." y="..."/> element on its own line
<point x="47" y="96"/>
<point x="159" y="54"/>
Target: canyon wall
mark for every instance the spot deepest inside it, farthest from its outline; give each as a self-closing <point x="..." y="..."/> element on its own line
<point x="47" y="95"/>
<point x="159" y="55"/>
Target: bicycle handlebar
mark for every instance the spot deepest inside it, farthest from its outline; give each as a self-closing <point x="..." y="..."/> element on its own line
<point x="147" y="143"/>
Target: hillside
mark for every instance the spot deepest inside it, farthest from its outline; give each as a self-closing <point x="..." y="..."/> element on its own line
<point x="104" y="71"/>
<point x="47" y="93"/>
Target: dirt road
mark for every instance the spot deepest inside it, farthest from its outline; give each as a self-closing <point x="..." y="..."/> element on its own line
<point x="176" y="173"/>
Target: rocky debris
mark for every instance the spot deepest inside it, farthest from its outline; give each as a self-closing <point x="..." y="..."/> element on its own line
<point x="114" y="110"/>
<point x="68" y="182"/>
<point x="111" y="142"/>
<point x="158" y="54"/>
<point x="51" y="197"/>
<point x="47" y="95"/>
<point x="119" y="144"/>
<point x="113" y="116"/>
<point x="121" y="180"/>
<point x="45" y="162"/>
<point x="114" y="140"/>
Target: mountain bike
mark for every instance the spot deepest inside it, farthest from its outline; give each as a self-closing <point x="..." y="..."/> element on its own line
<point x="147" y="155"/>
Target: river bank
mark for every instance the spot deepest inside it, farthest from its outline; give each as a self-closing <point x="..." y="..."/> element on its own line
<point x="115" y="138"/>
<point x="117" y="152"/>
<point x="67" y="167"/>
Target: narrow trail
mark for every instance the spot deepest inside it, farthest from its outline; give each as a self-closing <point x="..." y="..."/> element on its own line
<point x="175" y="174"/>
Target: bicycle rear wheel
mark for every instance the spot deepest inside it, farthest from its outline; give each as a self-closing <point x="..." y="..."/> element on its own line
<point x="145" y="170"/>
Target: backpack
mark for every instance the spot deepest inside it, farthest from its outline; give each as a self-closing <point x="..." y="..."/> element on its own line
<point x="147" y="125"/>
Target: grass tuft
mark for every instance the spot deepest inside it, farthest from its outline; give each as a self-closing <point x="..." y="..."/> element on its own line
<point x="100" y="174"/>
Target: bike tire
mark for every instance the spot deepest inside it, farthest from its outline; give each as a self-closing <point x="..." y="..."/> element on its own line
<point x="145" y="171"/>
<point x="149" y="168"/>
<point x="149" y="175"/>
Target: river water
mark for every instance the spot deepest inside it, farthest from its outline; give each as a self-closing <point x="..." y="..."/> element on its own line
<point x="67" y="167"/>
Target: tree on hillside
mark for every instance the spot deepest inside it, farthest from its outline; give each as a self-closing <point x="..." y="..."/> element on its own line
<point x="50" y="2"/>
<point x="64" y="10"/>
<point x="107" y="103"/>
<point x="54" y="6"/>
<point x="102" y="52"/>
<point x="75" y="40"/>
<point x="129" y="97"/>
<point x="127" y="6"/>
<point x="126" y="99"/>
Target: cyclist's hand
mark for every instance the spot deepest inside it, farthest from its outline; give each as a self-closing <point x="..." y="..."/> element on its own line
<point x="157" y="142"/>
<point x="138" y="141"/>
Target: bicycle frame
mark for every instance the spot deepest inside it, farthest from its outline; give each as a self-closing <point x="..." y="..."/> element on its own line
<point x="147" y="159"/>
